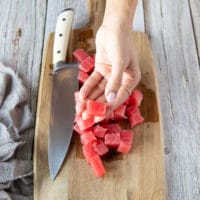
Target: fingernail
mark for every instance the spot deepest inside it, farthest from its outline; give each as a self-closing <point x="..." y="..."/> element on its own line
<point x="110" y="97"/>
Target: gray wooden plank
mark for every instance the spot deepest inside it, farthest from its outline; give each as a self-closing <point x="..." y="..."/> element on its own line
<point x="169" y="26"/>
<point x="195" y="14"/>
<point x="21" y="41"/>
<point x="55" y="7"/>
<point x="138" y="22"/>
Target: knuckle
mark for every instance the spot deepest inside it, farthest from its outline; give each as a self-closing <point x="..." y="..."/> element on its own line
<point x="127" y="88"/>
<point x="84" y="91"/>
<point x="92" y="78"/>
<point x="101" y="85"/>
<point x="99" y="88"/>
<point x="122" y="61"/>
<point x="133" y="76"/>
<point x="115" y="83"/>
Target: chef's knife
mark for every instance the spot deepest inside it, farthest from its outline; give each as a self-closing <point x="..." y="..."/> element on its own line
<point x="65" y="83"/>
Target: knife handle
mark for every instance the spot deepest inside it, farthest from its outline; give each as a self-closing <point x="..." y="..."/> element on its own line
<point x="61" y="40"/>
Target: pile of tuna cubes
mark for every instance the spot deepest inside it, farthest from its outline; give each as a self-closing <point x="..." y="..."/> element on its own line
<point x="99" y="133"/>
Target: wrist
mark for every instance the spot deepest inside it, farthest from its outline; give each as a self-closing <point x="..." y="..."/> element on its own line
<point x="116" y="22"/>
<point x="119" y="14"/>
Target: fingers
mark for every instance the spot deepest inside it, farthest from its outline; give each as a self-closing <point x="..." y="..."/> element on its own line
<point x="98" y="95"/>
<point x="104" y="69"/>
<point x="80" y="106"/>
<point x="121" y="97"/>
<point x="129" y="82"/>
<point x="131" y="78"/>
<point x="113" y="78"/>
<point x="89" y="84"/>
<point x="101" y="98"/>
<point x="98" y="90"/>
<point x="113" y="84"/>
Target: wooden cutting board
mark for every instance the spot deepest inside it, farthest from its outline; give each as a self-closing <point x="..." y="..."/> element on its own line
<point x="137" y="175"/>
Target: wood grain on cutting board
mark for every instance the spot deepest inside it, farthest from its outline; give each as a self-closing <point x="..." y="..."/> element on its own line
<point x="137" y="175"/>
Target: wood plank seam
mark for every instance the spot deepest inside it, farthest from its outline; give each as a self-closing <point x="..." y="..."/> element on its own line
<point x="43" y="46"/>
<point x="194" y="32"/>
<point x="166" y="60"/>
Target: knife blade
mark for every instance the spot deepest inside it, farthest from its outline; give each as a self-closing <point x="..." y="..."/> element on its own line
<point x="65" y="83"/>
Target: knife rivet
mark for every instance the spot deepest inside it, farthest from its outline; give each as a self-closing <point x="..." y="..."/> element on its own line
<point x="58" y="51"/>
<point x="60" y="34"/>
<point x="63" y="19"/>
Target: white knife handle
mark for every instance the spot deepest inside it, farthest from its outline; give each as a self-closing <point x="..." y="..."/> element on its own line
<point x="61" y="40"/>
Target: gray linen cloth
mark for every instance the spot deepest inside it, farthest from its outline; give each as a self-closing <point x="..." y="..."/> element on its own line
<point x="16" y="181"/>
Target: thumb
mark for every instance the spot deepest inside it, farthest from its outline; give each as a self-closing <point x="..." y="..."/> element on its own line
<point x="113" y="84"/>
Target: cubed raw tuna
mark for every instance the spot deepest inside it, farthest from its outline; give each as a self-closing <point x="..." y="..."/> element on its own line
<point x="132" y="110"/>
<point x="135" y="98"/>
<point x="111" y="117"/>
<point x="112" y="128"/>
<point x="126" y="136"/>
<point x="88" y="151"/>
<point x="97" y="166"/>
<point x="85" y="124"/>
<point x="138" y="96"/>
<point x="96" y="108"/>
<point x="80" y="55"/>
<point x="85" y="115"/>
<point x="77" y="129"/>
<point x="124" y="147"/>
<point x="135" y="120"/>
<point x="112" y="140"/>
<point x="119" y="113"/>
<point x="87" y="65"/>
<point x="100" y="147"/>
<point x="82" y="76"/>
<point x="98" y="119"/>
<point x="132" y="102"/>
<point x="126" y="102"/>
<point x="134" y="116"/>
<point x="87" y="137"/>
<point x="99" y="131"/>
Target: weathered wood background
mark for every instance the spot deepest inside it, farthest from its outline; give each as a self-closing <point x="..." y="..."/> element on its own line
<point x="173" y="28"/>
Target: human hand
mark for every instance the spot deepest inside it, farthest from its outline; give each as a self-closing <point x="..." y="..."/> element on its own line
<point x="116" y="72"/>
